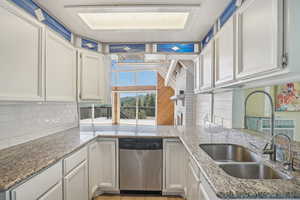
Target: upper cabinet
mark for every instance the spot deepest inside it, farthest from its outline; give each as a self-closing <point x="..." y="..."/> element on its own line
<point x="91" y="70"/>
<point x="207" y="66"/>
<point x="21" y="41"/>
<point x="197" y="72"/>
<point x="225" y="53"/>
<point x="260" y="37"/>
<point x="60" y="68"/>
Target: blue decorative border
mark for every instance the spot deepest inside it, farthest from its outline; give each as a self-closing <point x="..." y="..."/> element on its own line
<point x="127" y="48"/>
<point x="208" y="37"/>
<point x="176" y="47"/>
<point x="29" y="6"/>
<point x="85" y="42"/>
<point x="228" y="12"/>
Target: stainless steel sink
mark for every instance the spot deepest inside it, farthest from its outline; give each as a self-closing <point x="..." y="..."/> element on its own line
<point x="229" y="153"/>
<point x="252" y="171"/>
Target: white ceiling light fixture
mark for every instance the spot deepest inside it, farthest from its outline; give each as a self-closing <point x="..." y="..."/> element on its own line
<point x="135" y="20"/>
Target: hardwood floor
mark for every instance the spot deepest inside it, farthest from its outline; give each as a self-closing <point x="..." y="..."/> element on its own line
<point x="133" y="197"/>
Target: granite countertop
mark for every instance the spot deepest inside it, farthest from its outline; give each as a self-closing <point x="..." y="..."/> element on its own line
<point x="22" y="161"/>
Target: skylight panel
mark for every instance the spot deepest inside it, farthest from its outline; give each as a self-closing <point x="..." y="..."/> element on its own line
<point x="135" y="20"/>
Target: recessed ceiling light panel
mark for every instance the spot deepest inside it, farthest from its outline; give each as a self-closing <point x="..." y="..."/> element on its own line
<point x="135" y="20"/>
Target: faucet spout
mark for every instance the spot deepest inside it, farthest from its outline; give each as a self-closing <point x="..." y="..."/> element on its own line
<point x="271" y="151"/>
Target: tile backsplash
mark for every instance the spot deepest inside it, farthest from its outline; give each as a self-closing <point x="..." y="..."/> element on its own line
<point x="21" y="122"/>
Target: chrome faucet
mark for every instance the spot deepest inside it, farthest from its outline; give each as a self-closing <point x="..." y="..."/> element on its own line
<point x="288" y="163"/>
<point x="266" y="151"/>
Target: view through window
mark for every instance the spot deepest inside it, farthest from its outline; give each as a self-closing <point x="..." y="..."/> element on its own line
<point x="138" y="108"/>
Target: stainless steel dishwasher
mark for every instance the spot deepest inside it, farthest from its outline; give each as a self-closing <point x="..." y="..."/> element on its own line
<point x="141" y="161"/>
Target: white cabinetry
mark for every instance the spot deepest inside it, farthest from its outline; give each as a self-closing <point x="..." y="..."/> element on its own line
<point x="76" y="176"/>
<point x="60" y="69"/>
<point x="47" y="182"/>
<point x="174" y="167"/>
<point x="94" y="168"/>
<point x="91" y="69"/>
<point x="76" y="183"/>
<point x="193" y="184"/>
<point x="225" y="53"/>
<point x="108" y="158"/>
<point x="54" y="193"/>
<point x="197" y="74"/>
<point x="260" y="37"/>
<point x="21" y="41"/>
<point x="207" y="66"/>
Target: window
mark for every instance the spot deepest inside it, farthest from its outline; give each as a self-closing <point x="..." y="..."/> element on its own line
<point x="135" y="78"/>
<point x="176" y="48"/>
<point x="97" y="113"/>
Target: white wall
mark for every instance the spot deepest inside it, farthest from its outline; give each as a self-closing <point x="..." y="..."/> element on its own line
<point x="203" y="103"/>
<point x="23" y="122"/>
<point x="226" y="107"/>
<point x="223" y="108"/>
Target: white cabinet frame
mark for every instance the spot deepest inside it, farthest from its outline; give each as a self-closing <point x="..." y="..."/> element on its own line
<point x="68" y="48"/>
<point x="225" y="53"/>
<point x="89" y="91"/>
<point x="277" y="40"/>
<point x="207" y="65"/>
<point x="39" y="94"/>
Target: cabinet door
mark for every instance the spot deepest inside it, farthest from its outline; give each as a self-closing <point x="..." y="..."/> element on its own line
<point x="260" y="37"/>
<point x="39" y="184"/>
<point x="21" y="55"/>
<point x="207" y="65"/>
<point x="94" y="168"/>
<point x="108" y="161"/>
<point x="174" y="166"/>
<point x="60" y="69"/>
<point x="225" y="53"/>
<point x="197" y="72"/>
<point x="54" y="193"/>
<point x="193" y="184"/>
<point x="76" y="183"/>
<point x="91" y="68"/>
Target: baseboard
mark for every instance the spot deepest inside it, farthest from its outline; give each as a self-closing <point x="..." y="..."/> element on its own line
<point x="173" y="193"/>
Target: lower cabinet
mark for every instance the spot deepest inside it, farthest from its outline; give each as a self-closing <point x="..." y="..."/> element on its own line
<point x="46" y="185"/>
<point x="55" y="193"/>
<point x="94" y="168"/>
<point x="108" y="160"/>
<point x="193" y="183"/>
<point x="174" y="167"/>
<point x="76" y="183"/>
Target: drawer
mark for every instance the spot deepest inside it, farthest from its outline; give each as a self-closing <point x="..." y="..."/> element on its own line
<point x="55" y="193"/>
<point x="39" y="184"/>
<point x="74" y="160"/>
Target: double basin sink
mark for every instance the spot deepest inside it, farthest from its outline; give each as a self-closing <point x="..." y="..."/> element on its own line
<point x="240" y="162"/>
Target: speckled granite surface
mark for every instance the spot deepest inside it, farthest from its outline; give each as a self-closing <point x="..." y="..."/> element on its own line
<point x="22" y="161"/>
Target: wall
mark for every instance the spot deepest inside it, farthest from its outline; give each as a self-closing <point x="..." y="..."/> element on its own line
<point x="203" y="107"/>
<point x="23" y="122"/>
<point x="185" y="82"/>
<point x="226" y="107"/>
<point x="223" y="108"/>
<point x="165" y="107"/>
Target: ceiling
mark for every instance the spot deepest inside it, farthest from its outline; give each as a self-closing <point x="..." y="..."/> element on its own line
<point x="202" y="14"/>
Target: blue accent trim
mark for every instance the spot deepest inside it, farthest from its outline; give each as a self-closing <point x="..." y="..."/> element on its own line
<point x="176" y="48"/>
<point x="208" y="37"/>
<point x="228" y="12"/>
<point x="85" y="42"/>
<point x="56" y="26"/>
<point x="127" y="48"/>
<point x="29" y="6"/>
